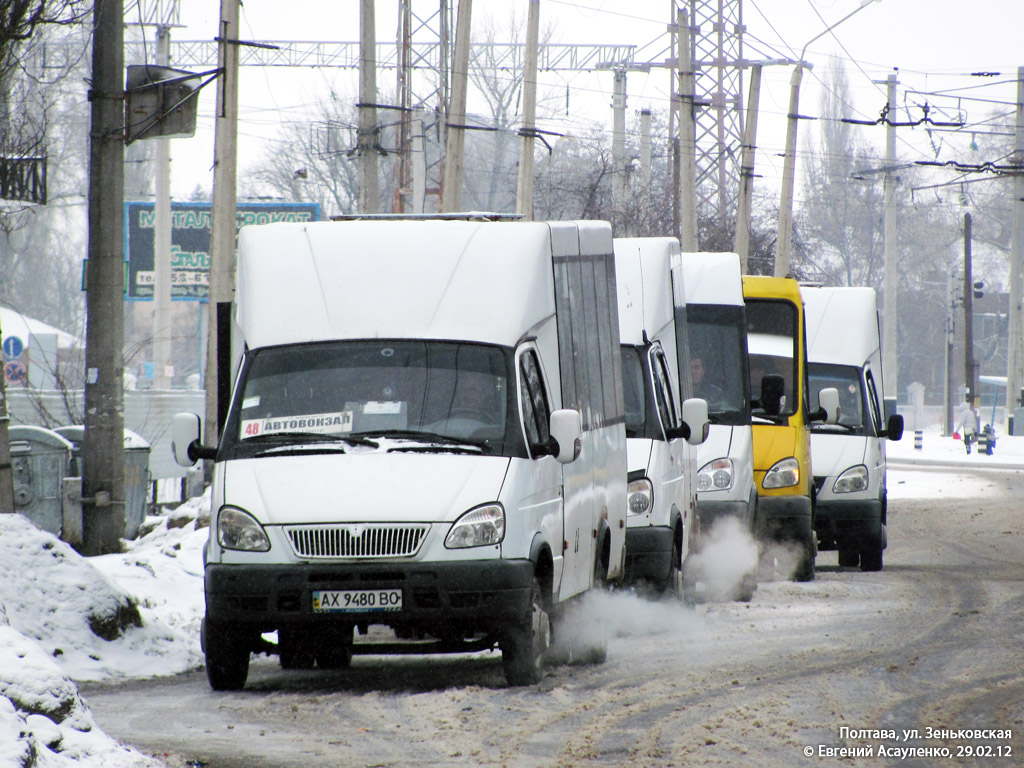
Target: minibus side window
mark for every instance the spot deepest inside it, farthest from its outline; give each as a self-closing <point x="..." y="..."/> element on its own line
<point x="533" y="400"/>
<point x="876" y="413"/>
<point x="663" y="390"/>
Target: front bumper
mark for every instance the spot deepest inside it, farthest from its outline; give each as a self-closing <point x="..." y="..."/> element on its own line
<point x="785" y="517"/>
<point x="487" y="594"/>
<point x="710" y="512"/>
<point x="842" y="519"/>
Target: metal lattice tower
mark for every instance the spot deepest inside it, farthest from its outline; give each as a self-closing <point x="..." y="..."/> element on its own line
<point x="718" y="59"/>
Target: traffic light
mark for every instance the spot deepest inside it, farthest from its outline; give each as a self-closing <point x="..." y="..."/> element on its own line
<point x="978" y="292"/>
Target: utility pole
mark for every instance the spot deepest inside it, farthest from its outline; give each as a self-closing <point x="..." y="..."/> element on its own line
<point x="451" y="186"/>
<point x="970" y="365"/>
<point x="741" y="240"/>
<point x="950" y="322"/>
<point x="223" y="227"/>
<point x="524" y="189"/>
<point x="367" y="143"/>
<point x="1014" y="351"/>
<point x="890" y="287"/>
<point x="687" y="139"/>
<point x="6" y="470"/>
<point x="162" y="238"/>
<point x="403" y="168"/>
<point x="619" y="150"/>
<point x="784" y="240"/>
<point x="103" y="444"/>
<point x="645" y="153"/>
<point x="784" y="244"/>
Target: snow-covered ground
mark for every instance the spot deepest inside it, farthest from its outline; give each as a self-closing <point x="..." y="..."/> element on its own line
<point x="65" y="618"/>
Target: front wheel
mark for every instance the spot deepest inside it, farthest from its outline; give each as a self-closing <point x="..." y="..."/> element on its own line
<point x="805" y="562"/>
<point x="871" y="555"/>
<point x="673" y="586"/>
<point x="227" y="655"/>
<point x="522" y="649"/>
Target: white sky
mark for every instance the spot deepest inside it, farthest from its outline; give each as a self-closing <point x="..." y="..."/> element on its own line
<point x="934" y="44"/>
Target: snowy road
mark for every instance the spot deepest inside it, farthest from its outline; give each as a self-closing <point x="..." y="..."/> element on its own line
<point x="851" y="660"/>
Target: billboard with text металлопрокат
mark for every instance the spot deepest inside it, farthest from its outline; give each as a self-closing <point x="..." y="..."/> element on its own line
<point x="190" y="243"/>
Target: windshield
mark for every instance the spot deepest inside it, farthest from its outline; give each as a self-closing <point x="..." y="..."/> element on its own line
<point x="718" y="361"/>
<point x="846" y="379"/>
<point x="772" y="335"/>
<point x="438" y="392"/>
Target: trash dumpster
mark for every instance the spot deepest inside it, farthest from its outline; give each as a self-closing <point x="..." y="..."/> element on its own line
<point x="40" y="459"/>
<point x="136" y="473"/>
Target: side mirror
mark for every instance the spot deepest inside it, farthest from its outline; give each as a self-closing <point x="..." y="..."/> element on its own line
<point x="773" y="393"/>
<point x="828" y="402"/>
<point x="567" y="431"/>
<point x="185" y="440"/>
<point x="695" y="419"/>
<point x="894" y="427"/>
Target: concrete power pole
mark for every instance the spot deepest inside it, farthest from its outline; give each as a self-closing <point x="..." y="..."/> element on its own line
<point x="103" y="444"/>
<point x="619" y="151"/>
<point x="366" y="144"/>
<point x="890" y="282"/>
<point x="784" y="240"/>
<point x="687" y="139"/>
<point x="645" y="154"/>
<point x="6" y="471"/>
<point x="524" y="190"/>
<point x="1014" y="347"/>
<point x="741" y="240"/>
<point x="223" y="227"/>
<point x="970" y="364"/>
<point x="162" y="324"/>
<point x="451" y="193"/>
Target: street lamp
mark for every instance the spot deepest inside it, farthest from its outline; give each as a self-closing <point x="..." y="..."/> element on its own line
<point x="784" y="243"/>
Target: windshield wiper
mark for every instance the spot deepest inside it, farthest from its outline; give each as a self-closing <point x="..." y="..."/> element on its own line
<point x="424" y="437"/>
<point x="765" y="418"/>
<point x="837" y="427"/>
<point x="292" y="438"/>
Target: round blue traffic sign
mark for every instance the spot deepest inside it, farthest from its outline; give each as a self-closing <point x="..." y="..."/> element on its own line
<point x="13" y="347"/>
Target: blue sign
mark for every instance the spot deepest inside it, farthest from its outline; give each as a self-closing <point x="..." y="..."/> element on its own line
<point x="13" y="347"/>
<point x="190" y="243"/>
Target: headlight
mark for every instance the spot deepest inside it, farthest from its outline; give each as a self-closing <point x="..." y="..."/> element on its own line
<point x="239" y="530"/>
<point x="479" y="527"/>
<point x="639" y="496"/>
<point x="784" y="474"/>
<point x="715" y="476"/>
<point x="853" y="479"/>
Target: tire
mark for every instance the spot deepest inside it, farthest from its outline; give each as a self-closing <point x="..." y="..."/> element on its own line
<point x="871" y="556"/>
<point x="747" y="588"/>
<point x="292" y="649"/>
<point x="227" y="656"/>
<point x="849" y="556"/>
<point x="805" y="567"/>
<point x="334" y="649"/>
<point x="523" y="647"/>
<point x="673" y="587"/>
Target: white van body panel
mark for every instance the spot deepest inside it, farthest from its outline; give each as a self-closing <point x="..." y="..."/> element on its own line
<point x="715" y="279"/>
<point x="646" y="322"/>
<point x="842" y="330"/>
<point x="424" y="281"/>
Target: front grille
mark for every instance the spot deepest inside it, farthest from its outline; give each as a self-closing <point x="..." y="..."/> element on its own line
<point x="819" y="482"/>
<point x="356" y="541"/>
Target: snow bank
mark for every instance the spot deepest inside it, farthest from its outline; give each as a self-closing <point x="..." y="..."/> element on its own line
<point x="64" y="617"/>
